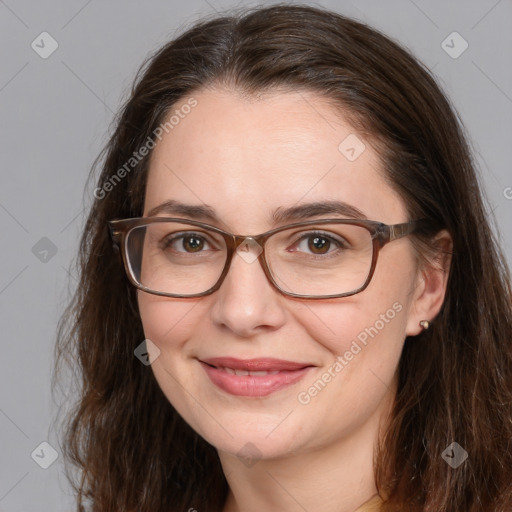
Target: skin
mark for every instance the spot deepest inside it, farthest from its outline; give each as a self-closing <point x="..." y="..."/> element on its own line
<point x="245" y="157"/>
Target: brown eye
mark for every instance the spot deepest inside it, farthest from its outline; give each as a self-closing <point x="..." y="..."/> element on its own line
<point x="318" y="244"/>
<point x="192" y="243"/>
<point x="186" y="243"/>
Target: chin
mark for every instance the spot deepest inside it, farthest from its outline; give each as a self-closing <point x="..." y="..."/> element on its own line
<point x="250" y="449"/>
<point x="250" y="438"/>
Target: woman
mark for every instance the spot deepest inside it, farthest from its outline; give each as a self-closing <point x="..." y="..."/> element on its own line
<point x="349" y="347"/>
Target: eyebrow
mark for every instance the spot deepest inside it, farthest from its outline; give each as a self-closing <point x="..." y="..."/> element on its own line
<point x="279" y="216"/>
<point x="308" y="210"/>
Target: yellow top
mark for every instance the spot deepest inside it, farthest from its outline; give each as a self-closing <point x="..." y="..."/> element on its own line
<point x="372" y="505"/>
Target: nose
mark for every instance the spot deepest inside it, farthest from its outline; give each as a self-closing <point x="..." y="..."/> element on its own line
<point x="247" y="303"/>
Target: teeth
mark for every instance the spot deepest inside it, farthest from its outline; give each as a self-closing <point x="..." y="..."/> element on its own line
<point x="244" y="373"/>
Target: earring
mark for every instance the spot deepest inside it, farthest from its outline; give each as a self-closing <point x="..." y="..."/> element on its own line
<point x="425" y="324"/>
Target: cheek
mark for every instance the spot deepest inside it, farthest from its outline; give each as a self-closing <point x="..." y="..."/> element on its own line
<point x="359" y="336"/>
<point x="169" y="323"/>
<point x="378" y="313"/>
<point x="363" y="343"/>
<point x="362" y="337"/>
<point x="166" y="321"/>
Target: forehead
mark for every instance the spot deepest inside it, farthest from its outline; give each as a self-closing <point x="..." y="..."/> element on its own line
<point x="247" y="156"/>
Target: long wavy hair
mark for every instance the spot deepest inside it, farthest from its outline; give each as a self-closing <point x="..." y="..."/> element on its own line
<point x="126" y="447"/>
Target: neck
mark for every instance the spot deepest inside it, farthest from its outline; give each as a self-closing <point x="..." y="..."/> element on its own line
<point x="334" y="476"/>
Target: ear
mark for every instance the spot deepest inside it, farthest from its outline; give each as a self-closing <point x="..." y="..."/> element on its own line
<point x="430" y="285"/>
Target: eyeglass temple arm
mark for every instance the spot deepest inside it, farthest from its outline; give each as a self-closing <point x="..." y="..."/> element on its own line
<point x="115" y="235"/>
<point x="400" y="230"/>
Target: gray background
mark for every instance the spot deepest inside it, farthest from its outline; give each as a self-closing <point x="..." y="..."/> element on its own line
<point x="56" y="113"/>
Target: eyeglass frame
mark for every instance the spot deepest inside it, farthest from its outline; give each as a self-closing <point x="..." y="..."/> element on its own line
<point x="381" y="235"/>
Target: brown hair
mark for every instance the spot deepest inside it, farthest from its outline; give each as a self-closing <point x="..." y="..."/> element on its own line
<point x="132" y="449"/>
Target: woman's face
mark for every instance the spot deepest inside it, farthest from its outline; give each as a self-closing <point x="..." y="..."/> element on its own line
<point x="245" y="159"/>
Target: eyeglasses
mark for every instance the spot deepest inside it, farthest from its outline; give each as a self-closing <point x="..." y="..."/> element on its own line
<point x="316" y="259"/>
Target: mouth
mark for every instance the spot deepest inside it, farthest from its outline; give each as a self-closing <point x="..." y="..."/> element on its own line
<point x="253" y="377"/>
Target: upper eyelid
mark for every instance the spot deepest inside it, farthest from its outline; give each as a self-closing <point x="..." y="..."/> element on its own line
<point x="208" y="237"/>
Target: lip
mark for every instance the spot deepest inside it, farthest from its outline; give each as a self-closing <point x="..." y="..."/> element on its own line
<point x="267" y="364"/>
<point x="284" y="373"/>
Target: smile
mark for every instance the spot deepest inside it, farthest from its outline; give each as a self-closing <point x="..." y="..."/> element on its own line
<point x="255" y="377"/>
<point x="241" y="373"/>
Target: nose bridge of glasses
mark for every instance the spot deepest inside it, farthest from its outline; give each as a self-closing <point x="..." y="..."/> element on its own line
<point x="247" y="247"/>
